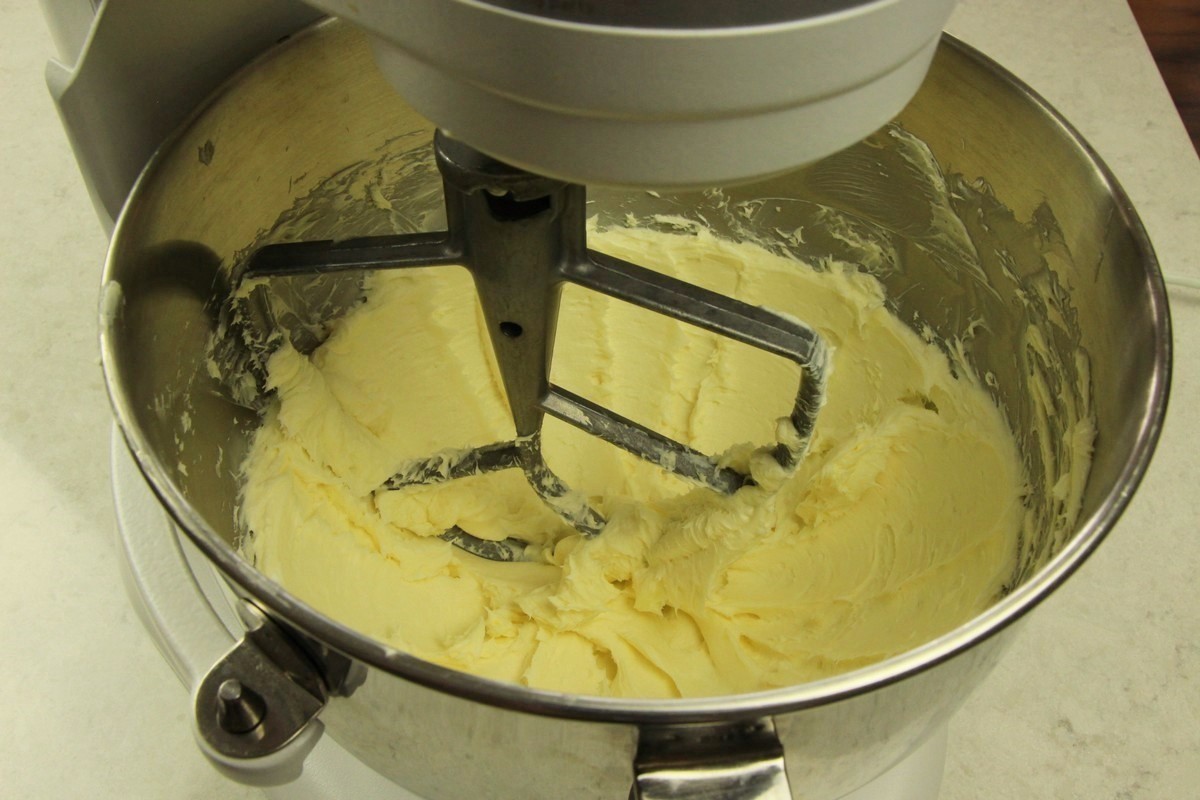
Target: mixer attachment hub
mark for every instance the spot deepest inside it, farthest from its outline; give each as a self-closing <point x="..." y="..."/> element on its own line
<point x="522" y="236"/>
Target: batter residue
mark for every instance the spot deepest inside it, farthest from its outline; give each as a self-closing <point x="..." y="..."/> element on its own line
<point x="900" y="525"/>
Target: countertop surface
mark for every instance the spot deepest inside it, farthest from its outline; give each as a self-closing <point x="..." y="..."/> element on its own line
<point x="1097" y="698"/>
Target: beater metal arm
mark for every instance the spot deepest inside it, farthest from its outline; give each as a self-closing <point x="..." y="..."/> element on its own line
<point x="522" y="236"/>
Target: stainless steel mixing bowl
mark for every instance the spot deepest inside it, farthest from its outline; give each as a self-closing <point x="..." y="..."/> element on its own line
<point x="996" y="231"/>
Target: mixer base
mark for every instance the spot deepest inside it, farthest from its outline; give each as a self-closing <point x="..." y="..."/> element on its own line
<point x="170" y="582"/>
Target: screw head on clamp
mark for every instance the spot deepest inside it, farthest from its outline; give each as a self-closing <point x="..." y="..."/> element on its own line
<point x="240" y="709"/>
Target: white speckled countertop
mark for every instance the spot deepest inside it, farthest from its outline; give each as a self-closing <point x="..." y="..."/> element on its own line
<point x="1097" y="699"/>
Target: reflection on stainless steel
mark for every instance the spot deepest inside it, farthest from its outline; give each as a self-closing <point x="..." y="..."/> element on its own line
<point x="994" y="229"/>
<point x="699" y="761"/>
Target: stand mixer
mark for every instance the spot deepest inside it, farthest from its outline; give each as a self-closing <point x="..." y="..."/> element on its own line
<point x="679" y="136"/>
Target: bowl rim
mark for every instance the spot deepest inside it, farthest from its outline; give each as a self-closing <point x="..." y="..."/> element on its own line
<point x="299" y="616"/>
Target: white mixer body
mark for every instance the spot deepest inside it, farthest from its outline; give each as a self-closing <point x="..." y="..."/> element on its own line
<point x="672" y="95"/>
<point x="665" y="94"/>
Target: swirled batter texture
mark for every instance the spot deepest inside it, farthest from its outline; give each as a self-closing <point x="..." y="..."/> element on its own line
<point x="900" y="525"/>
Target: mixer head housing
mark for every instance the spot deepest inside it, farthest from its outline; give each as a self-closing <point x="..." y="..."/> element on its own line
<point x="665" y="94"/>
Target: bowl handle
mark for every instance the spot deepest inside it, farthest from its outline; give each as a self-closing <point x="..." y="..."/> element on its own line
<point x="695" y="762"/>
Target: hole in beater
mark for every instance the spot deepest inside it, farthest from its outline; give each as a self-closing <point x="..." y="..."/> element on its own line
<point x="506" y="208"/>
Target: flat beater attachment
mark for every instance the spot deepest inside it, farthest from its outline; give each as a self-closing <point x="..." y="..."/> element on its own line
<point x="522" y="236"/>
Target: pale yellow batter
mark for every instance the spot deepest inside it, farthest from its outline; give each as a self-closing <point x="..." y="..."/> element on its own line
<point x="900" y="525"/>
